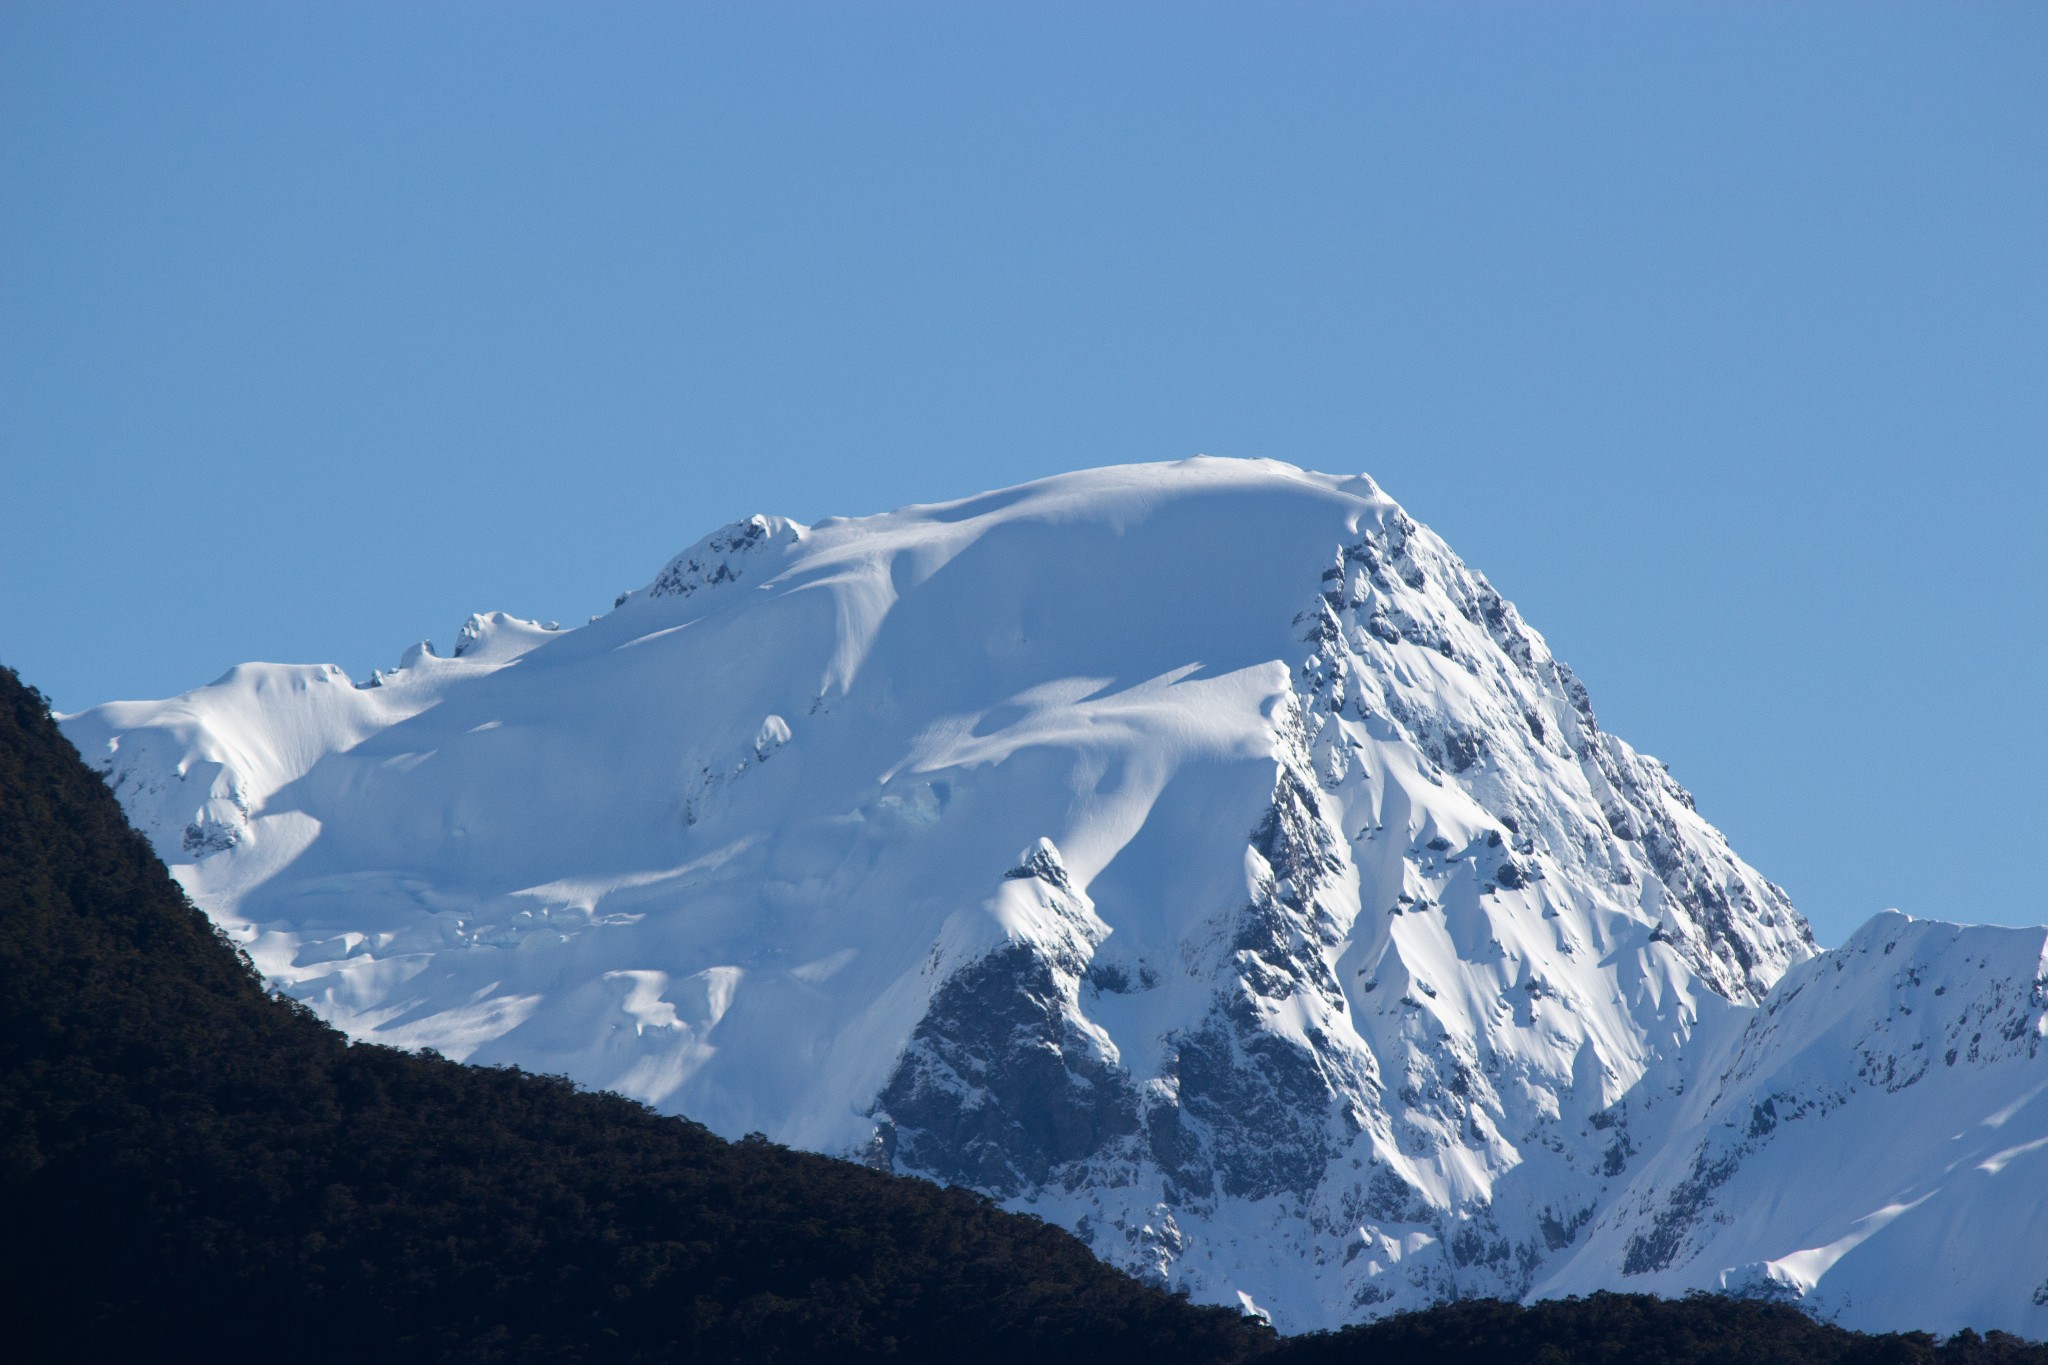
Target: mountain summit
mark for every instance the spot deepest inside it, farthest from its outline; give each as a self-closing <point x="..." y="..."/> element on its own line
<point x="1199" y="855"/>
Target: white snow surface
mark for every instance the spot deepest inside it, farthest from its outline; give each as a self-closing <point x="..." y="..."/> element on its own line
<point x="1873" y="1143"/>
<point x="1198" y="855"/>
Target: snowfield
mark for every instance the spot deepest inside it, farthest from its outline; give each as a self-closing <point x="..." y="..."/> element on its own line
<point x="1198" y="855"/>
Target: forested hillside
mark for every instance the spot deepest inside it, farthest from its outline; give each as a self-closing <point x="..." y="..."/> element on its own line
<point x="193" y="1169"/>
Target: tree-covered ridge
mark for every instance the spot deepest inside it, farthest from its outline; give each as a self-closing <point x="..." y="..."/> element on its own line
<point x="193" y="1169"/>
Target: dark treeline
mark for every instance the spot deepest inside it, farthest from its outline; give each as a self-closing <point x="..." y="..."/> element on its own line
<point x="191" y="1168"/>
<point x="1636" y="1329"/>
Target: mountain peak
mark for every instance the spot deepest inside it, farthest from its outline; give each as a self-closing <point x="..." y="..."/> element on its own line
<point x="1348" y="962"/>
<point x="727" y="555"/>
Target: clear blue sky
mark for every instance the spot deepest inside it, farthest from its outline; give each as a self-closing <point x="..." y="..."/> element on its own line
<point x="1717" y="335"/>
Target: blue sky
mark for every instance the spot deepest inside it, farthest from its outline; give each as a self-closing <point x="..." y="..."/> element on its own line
<point x="1717" y="335"/>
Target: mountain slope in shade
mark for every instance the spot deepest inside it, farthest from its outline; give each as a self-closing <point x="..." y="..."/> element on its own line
<point x="1199" y="855"/>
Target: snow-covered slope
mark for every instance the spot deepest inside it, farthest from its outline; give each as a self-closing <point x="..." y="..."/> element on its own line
<point x="1874" y="1142"/>
<point x="1199" y="855"/>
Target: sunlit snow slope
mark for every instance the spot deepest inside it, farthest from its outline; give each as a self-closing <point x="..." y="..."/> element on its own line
<point x="1197" y="854"/>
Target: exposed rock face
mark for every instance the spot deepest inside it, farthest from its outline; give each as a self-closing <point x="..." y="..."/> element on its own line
<point x="1004" y="1083"/>
<point x="1261" y="1107"/>
<point x="1349" y="964"/>
<point x="723" y="556"/>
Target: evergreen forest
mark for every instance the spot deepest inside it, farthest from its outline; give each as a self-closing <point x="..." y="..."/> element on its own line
<point x="192" y="1168"/>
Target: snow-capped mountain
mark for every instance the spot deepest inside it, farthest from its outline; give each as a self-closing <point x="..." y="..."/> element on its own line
<point x="1198" y="855"/>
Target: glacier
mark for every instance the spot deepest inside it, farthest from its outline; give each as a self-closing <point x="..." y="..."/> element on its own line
<point x="1198" y="855"/>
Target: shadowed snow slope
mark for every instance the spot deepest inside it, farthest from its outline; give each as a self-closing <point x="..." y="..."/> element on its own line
<point x="1199" y="855"/>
